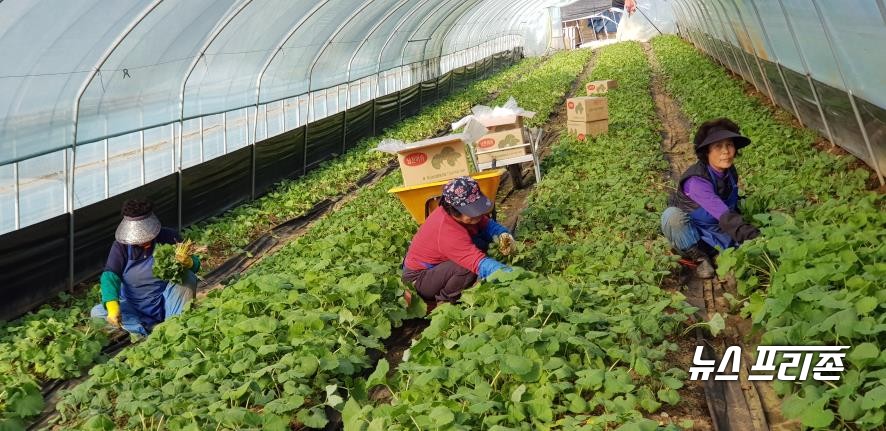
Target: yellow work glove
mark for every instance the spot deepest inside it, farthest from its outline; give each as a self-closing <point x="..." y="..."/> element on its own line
<point x="505" y="244"/>
<point x="183" y="254"/>
<point x="113" y="308"/>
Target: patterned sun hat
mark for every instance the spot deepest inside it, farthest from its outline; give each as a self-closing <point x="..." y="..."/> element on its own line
<point x="464" y="194"/>
<point x="137" y="230"/>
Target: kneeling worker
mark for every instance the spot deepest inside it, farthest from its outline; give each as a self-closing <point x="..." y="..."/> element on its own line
<point x="448" y="253"/>
<point x="132" y="298"/>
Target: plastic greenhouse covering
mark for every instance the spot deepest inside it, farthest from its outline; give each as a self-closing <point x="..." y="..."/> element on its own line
<point x="204" y="104"/>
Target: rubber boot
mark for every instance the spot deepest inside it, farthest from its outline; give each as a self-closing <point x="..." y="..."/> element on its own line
<point x="704" y="269"/>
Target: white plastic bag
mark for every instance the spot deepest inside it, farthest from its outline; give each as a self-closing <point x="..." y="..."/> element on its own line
<point x="652" y="17"/>
<point x="473" y="130"/>
<point x="482" y="112"/>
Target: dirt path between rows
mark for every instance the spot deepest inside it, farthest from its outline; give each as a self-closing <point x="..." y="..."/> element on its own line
<point x="733" y="405"/>
<point x="510" y="202"/>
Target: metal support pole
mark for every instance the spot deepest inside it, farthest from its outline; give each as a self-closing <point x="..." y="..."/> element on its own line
<point x="283" y="108"/>
<point x="172" y="144"/>
<point x="344" y="125"/>
<point x="69" y="195"/>
<point x="69" y="173"/>
<point x="141" y="139"/>
<point x="202" y="156"/>
<point x="824" y="119"/>
<point x="707" y="18"/>
<point x="265" y="108"/>
<point x="304" y="163"/>
<point x="225" y="133"/>
<point x="107" y="170"/>
<point x="76" y="114"/>
<point x="373" y="113"/>
<point x="739" y="49"/>
<point x="772" y="50"/>
<point x="17" y="203"/>
<point x="700" y="43"/>
<point x="707" y="35"/>
<point x="253" y="154"/>
<point x="864" y="133"/>
<point x="179" y="186"/>
<point x="399" y="106"/>
<point x="754" y="48"/>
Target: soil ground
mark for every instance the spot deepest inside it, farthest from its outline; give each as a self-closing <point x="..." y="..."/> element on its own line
<point x="735" y="405"/>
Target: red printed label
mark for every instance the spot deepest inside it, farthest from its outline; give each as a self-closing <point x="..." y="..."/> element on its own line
<point x="486" y="143"/>
<point x="570" y="105"/>
<point x="415" y="159"/>
<point x="592" y="87"/>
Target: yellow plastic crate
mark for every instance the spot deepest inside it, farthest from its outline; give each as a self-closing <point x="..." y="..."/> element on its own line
<point x="420" y="200"/>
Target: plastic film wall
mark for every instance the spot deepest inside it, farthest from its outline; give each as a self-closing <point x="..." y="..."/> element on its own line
<point x="201" y="105"/>
<point x="820" y="60"/>
<point x="101" y="97"/>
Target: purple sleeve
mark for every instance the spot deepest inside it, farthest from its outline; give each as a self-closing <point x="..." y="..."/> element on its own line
<point x="702" y="192"/>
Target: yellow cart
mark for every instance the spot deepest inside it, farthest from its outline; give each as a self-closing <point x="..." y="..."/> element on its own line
<point x="420" y="200"/>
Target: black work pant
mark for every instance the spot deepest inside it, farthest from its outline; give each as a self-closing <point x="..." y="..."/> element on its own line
<point x="444" y="282"/>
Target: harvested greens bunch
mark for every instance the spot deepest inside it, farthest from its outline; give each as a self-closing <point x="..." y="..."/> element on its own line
<point x="168" y="258"/>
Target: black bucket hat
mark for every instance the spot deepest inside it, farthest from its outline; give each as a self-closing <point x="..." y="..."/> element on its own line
<point x="718" y="134"/>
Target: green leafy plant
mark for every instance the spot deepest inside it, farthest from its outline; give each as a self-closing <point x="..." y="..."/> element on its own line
<point x="815" y="275"/>
<point x="166" y="261"/>
<point x="60" y="340"/>
<point x="580" y="342"/>
<point x="290" y="337"/>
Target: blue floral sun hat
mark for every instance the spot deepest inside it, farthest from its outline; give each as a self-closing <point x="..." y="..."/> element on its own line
<point x="464" y="194"/>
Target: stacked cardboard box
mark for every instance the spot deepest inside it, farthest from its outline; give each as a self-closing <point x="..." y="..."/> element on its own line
<point x="587" y="116"/>
<point x="504" y="132"/>
<point x="433" y="160"/>
<point x="599" y="87"/>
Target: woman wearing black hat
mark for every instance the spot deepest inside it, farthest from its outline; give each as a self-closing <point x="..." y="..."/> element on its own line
<point x="703" y="212"/>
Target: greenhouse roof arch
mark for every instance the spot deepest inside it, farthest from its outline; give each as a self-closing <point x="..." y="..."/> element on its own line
<point x="187" y="59"/>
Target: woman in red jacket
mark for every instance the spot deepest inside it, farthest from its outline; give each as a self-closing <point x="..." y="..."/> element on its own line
<point x="448" y="253"/>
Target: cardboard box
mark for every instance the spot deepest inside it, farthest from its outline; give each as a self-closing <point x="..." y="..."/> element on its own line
<point x="583" y="129"/>
<point x="502" y="141"/>
<point x="587" y="108"/>
<point x="598" y="87"/>
<point x="502" y="122"/>
<point x="437" y="159"/>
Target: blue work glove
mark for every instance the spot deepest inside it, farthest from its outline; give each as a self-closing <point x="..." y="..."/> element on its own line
<point x="488" y="266"/>
<point x="494" y="229"/>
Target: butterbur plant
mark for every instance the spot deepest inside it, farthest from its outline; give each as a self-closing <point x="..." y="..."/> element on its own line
<point x="815" y="275"/>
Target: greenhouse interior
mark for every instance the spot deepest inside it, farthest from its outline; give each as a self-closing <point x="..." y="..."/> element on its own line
<point x="369" y="215"/>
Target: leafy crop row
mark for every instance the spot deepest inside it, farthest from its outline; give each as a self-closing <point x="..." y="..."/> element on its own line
<point x="49" y="344"/>
<point x="228" y="233"/>
<point x="59" y="341"/>
<point x="292" y="337"/>
<point x="581" y="342"/>
<point x="815" y="277"/>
